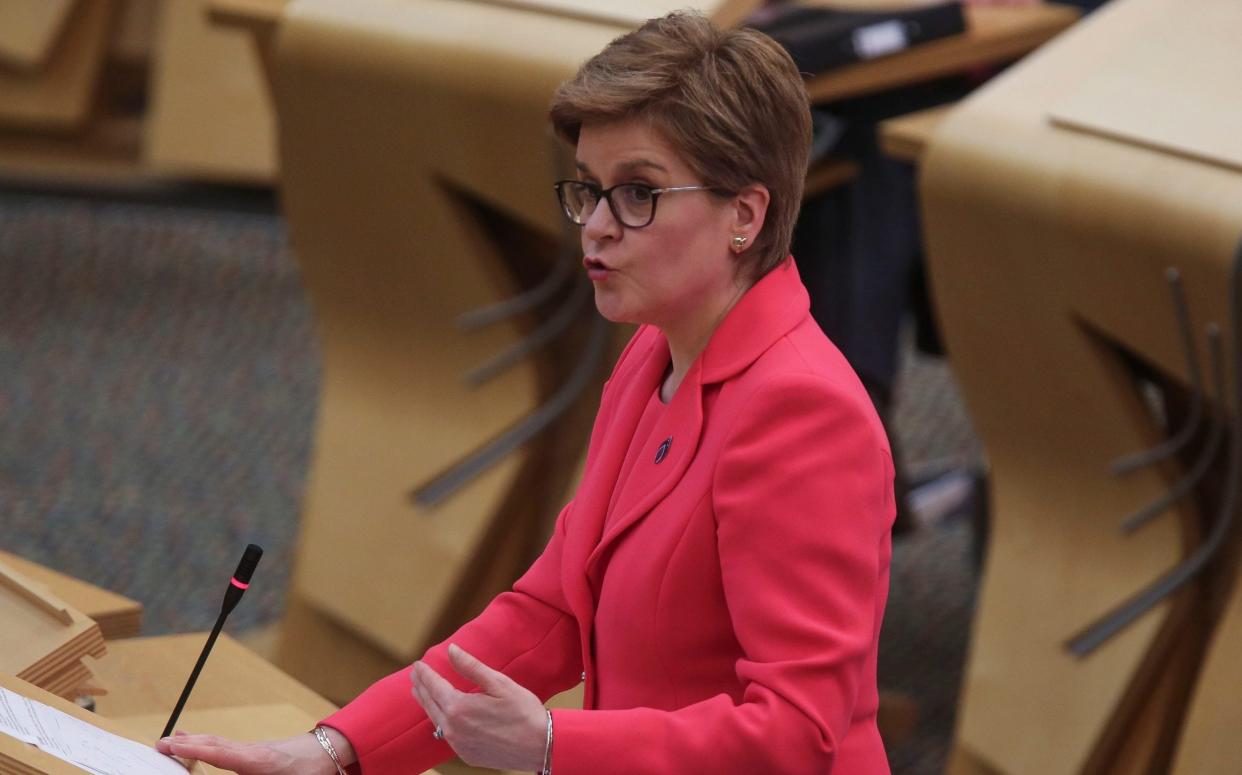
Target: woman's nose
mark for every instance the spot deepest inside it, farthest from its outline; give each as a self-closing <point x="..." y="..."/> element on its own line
<point x="602" y="223"/>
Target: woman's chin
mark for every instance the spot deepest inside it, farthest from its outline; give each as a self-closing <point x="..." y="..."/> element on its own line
<point x="613" y="312"/>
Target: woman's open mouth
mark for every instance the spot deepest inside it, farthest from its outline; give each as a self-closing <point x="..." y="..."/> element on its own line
<point x="596" y="269"/>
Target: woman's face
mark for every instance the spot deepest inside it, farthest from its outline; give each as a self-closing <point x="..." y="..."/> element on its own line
<point x="677" y="268"/>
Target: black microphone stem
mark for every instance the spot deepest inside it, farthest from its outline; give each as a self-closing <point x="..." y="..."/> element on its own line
<point x="232" y="596"/>
<point x="198" y="668"/>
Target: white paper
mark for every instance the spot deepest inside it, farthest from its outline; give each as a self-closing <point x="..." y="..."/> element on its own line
<point x="77" y="742"/>
<point x="882" y="39"/>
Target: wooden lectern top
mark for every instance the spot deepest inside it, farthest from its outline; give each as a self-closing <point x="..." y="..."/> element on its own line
<point x="42" y="639"/>
<point x="117" y="615"/>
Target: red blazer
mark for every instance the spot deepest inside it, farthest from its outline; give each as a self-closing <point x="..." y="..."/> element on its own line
<point x="747" y="572"/>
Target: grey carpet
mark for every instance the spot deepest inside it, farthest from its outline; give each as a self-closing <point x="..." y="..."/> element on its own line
<point x="158" y="380"/>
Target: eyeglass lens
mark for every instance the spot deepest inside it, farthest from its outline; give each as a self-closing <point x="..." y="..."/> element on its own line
<point x="631" y="202"/>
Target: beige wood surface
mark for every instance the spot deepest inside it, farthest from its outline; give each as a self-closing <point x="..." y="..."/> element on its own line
<point x="905" y="137"/>
<point x="1147" y="99"/>
<point x="1047" y="250"/>
<point x="259" y="17"/>
<point x="210" y="115"/>
<point x="58" y="96"/>
<point x="238" y="695"/>
<point x="117" y="615"/>
<point x="145" y="676"/>
<point x="1208" y="743"/>
<point x="995" y="34"/>
<point x="28" y="31"/>
<point x="631" y="14"/>
<point x="403" y="191"/>
<point x="104" y="154"/>
<point x="43" y="640"/>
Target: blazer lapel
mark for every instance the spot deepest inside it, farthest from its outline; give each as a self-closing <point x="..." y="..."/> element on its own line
<point x="622" y="414"/>
<point x="769" y="310"/>
<point x="651" y="479"/>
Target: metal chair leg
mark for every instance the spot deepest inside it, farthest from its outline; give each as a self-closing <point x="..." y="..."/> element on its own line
<point x="1187" y="483"/>
<point x="1134" y="461"/>
<point x="1120" y="617"/>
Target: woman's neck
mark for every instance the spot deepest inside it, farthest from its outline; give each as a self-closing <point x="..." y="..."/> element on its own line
<point x="687" y="339"/>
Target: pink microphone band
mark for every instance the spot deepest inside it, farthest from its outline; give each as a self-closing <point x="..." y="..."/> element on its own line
<point x="239" y="585"/>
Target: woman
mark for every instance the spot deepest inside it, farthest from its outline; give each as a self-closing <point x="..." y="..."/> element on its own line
<point x="720" y="578"/>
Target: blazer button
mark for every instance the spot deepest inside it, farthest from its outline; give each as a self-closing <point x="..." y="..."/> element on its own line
<point x="584" y="675"/>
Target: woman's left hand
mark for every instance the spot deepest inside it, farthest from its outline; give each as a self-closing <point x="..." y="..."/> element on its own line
<point x="503" y="726"/>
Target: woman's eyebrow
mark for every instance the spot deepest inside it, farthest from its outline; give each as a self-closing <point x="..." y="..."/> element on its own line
<point x="625" y="166"/>
<point x="635" y="164"/>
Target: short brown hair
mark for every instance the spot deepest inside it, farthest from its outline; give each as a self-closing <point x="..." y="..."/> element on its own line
<point x="731" y="102"/>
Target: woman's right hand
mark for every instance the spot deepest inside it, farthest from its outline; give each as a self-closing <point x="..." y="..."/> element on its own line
<point x="301" y="755"/>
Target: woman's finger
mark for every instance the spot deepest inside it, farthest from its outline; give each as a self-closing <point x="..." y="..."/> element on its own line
<point x="469" y="667"/>
<point x="229" y="757"/>
<point x="432" y="708"/>
<point x="440" y="691"/>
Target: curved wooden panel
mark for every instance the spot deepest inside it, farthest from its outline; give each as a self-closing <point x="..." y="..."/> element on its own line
<point x="1047" y="250"/>
<point x="417" y="173"/>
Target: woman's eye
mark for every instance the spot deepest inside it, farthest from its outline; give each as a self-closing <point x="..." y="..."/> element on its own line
<point x="638" y="194"/>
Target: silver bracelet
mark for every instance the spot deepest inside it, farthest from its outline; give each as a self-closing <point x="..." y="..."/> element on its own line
<point x="547" y="749"/>
<point x="326" y="745"/>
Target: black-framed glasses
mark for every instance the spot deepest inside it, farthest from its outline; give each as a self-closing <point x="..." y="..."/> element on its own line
<point x="632" y="204"/>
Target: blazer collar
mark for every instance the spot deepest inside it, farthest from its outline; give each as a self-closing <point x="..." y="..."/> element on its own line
<point x="768" y="311"/>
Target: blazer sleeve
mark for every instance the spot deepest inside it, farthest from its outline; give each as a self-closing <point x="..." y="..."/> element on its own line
<point x="527" y="633"/>
<point x="803" y="500"/>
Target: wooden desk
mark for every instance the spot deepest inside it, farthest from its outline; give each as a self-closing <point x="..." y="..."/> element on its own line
<point x="144" y="677"/>
<point x="117" y="615"/>
<point x="993" y="35"/>
<point x="1054" y="203"/>
<point x="905" y="137"/>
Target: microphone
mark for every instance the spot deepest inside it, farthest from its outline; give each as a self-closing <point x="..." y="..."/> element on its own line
<point x="232" y="596"/>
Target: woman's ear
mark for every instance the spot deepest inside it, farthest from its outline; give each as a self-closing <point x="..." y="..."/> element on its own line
<point x="750" y="208"/>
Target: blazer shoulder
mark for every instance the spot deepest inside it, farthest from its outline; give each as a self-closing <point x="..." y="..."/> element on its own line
<point x="806" y="363"/>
